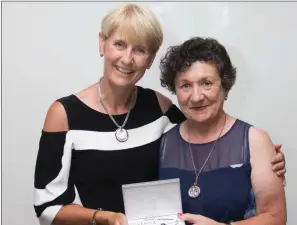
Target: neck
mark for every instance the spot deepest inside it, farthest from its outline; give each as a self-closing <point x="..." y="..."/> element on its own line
<point x="207" y="131"/>
<point x="117" y="100"/>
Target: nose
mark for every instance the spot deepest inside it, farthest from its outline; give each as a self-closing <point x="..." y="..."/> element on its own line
<point x="197" y="94"/>
<point x="127" y="57"/>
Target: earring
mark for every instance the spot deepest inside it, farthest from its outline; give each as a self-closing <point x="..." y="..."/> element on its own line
<point x="226" y="97"/>
<point x="101" y="55"/>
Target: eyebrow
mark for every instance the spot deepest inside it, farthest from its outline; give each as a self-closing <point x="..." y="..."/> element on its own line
<point x="120" y="40"/>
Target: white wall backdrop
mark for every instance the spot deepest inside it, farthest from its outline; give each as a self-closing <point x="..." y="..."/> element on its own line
<point x="50" y="49"/>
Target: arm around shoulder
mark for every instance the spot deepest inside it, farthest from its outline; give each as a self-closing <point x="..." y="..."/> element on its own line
<point x="165" y="102"/>
<point x="171" y="111"/>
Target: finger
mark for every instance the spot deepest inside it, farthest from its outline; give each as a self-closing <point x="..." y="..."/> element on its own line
<point x="123" y="220"/>
<point x="190" y="218"/>
<point x="279" y="166"/>
<point x="277" y="147"/>
<point x="278" y="158"/>
<point x="281" y="172"/>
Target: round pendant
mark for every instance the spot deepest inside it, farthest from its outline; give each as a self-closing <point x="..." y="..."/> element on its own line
<point x="121" y="135"/>
<point x="194" y="191"/>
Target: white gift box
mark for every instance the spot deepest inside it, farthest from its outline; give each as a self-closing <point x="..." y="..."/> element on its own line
<point x="153" y="203"/>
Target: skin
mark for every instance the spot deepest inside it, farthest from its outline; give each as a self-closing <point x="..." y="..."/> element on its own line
<point x="201" y="98"/>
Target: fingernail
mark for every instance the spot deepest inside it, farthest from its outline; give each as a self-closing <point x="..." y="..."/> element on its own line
<point x="179" y="214"/>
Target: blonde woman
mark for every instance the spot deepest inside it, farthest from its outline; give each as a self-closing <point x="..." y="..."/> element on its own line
<point x="108" y="134"/>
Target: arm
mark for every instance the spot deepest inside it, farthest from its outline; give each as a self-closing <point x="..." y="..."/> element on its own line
<point x="54" y="193"/>
<point x="169" y="109"/>
<point x="268" y="189"/>
<point x="165" y="103"/>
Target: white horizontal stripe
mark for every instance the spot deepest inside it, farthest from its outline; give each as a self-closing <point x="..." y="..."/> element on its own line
<point x="48" y="215"/>
<point x="236" y="165"/>
<point x="57" y="186"/>
<point x="85" y="140"/>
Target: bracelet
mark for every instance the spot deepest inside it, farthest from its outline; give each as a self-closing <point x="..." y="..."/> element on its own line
<point x="94" y="216"/>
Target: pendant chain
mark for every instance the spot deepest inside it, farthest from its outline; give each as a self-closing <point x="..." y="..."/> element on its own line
<point x="213" y="147"/>
<point x="105" y="108"/>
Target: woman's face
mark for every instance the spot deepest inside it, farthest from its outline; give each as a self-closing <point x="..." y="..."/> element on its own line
<point x="199" y="92"/>
<point x="124" y="63"/>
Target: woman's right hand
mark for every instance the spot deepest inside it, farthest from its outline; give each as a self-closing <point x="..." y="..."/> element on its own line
<point x="117" y="219"/>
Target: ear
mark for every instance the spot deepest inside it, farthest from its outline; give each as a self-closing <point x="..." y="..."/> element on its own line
<point x="102" y="40"/>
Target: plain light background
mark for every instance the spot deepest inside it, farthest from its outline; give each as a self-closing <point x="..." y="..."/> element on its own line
<point x="50" y="50"/>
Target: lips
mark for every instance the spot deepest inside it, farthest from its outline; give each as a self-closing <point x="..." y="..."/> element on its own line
<point x="123" y="70"/>
<point x="200" y="108"/>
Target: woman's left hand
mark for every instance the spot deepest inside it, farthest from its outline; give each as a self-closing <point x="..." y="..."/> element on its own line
<point x="197" y="219"/>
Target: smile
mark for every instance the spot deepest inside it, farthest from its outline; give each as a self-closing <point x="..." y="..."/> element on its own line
<point x="123" y="71"/>
<point x="200" y="108"/>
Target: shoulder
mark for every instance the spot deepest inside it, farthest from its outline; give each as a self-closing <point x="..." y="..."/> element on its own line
<point x="165" y="102"/>
<point x="261" y="145"/>
<point x="56" y="118"/>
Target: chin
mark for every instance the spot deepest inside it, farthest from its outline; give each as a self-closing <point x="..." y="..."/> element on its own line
<point x="121" y="80"/>
<point x="200" y="118"/>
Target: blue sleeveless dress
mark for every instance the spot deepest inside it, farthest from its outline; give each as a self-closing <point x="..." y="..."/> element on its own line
<point x="225" y="183"/>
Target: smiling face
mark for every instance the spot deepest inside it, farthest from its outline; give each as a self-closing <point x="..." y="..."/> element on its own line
<point x="125" y="62"/>
<point x="199" y="92"/>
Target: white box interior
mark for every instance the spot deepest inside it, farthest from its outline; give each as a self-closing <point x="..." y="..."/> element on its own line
<point x="152" y="199"/>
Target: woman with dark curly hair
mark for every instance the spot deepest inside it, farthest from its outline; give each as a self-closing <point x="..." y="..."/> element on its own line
<point x="223" y="162"/>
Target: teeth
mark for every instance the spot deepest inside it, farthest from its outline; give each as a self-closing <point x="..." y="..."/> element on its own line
<point x="123" y="70"/>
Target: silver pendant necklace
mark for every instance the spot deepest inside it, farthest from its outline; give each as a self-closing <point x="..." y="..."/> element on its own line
<point x="194" y="190"/>
<point x="121" y="134"/>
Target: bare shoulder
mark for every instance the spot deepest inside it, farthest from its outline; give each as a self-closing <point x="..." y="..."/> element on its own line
<point x="56" y="118"/>
<point x="165" y="102"/>
<point x="260" y="142"/>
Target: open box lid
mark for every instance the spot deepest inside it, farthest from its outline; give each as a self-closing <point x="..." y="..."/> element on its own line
<point x="155" y="198"/>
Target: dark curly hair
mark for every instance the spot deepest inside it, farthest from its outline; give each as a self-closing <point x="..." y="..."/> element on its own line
<point x="180" y="57"/>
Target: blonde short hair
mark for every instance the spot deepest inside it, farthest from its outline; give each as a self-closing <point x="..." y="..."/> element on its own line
<point x="136" y="23"/>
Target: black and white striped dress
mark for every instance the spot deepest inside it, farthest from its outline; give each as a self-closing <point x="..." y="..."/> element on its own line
<point x="87" y="165"/>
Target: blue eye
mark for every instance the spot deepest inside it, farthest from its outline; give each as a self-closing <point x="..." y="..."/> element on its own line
<point x="119" y="45"/>
<point x="139" y="51"/>
<point x="185" y="86"/>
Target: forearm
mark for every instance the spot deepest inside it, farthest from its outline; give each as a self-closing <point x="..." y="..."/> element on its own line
<point x="78" y="215"/>
<point x="263" y="219"/>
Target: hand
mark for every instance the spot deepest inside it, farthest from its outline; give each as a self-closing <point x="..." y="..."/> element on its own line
<point x="117" y="219"/>
<point x="197" y="219"/>
<point x="279" y="163"/>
